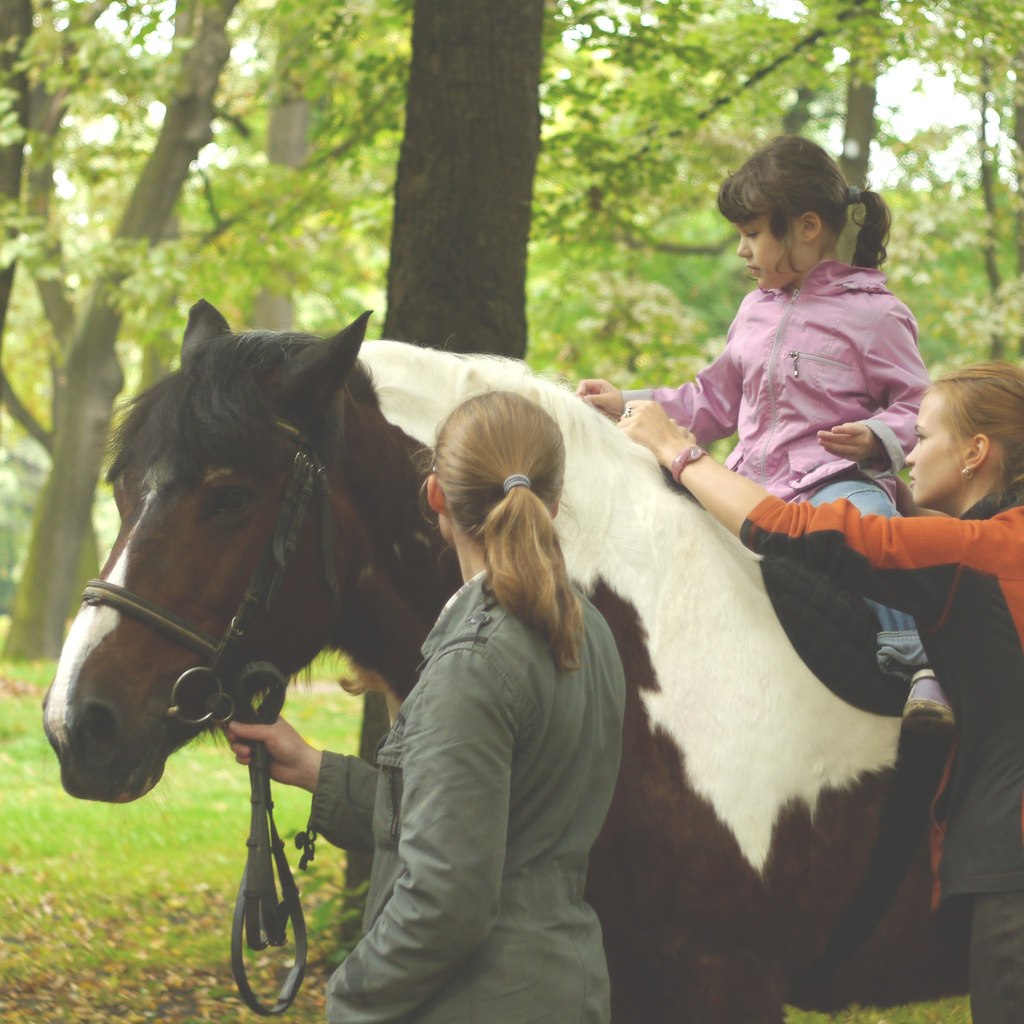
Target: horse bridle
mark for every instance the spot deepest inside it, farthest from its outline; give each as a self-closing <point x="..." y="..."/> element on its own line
<point x="251" y="691"/>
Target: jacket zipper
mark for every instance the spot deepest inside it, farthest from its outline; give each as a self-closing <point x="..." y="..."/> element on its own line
<point x="772" y="403"/>
<point x="795" y="355"/>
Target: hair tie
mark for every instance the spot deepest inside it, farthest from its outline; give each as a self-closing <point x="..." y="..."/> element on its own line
<point x="852" y="195"/>
<point x="516" y="480"/>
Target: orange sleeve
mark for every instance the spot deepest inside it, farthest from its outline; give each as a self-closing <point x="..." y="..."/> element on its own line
<point x="911" y="564"/>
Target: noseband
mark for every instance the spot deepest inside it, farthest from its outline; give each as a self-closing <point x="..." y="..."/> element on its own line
<point x="227" y="687"/>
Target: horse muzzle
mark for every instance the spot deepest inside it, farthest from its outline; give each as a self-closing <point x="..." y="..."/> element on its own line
<point x="98" y="760"/>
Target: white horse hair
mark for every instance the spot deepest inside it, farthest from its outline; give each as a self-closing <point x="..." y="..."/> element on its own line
<point x="757" y="731"/>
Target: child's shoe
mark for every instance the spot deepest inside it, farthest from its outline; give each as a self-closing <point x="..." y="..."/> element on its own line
<point x="927" y="708"/>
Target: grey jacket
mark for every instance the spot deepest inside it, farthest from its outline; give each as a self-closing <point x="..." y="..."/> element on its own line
<point x="489" y="792"/>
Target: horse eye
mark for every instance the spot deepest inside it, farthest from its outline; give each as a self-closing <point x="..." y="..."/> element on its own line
<point x="230" y="499"/>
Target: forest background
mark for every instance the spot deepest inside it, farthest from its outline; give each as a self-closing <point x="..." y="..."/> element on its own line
<point x="153" y="152"/>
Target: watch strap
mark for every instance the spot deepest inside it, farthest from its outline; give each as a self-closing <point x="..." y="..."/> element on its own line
<point x="684" y="458"/>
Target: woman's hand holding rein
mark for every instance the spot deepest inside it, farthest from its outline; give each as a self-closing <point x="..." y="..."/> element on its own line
<point x="293" y="761"/>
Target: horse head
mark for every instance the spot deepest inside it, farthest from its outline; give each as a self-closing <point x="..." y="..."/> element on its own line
<point x="262" y="497"/>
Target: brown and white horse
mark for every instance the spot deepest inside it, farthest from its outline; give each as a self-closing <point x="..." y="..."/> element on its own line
<point x="749" y="795"/>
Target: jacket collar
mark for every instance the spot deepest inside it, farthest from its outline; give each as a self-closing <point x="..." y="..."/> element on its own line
<point x="992" y="504"/>
<point x="830" y="277"/>
<point x="465" y="605"/>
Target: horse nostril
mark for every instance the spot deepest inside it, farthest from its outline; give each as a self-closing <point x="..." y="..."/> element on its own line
<point x="94" y="733"/>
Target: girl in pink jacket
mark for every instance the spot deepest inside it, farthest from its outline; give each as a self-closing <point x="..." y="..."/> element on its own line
<point x="821" y="376"/>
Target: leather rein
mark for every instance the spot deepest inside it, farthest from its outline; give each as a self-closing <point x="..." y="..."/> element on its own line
<point x="227" y="687"/>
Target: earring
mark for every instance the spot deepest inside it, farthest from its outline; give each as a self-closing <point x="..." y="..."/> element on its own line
<point x="967" y="472"/>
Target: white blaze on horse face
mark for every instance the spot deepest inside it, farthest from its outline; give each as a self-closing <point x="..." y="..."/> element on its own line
<point x="757" y="734"/>
<point x="92" y="623"/>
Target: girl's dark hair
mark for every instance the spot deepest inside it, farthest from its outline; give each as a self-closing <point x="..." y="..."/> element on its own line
<point x="790" y="176"/>
<point x="483" y="441"/>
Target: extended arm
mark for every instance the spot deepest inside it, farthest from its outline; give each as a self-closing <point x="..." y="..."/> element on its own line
<point x="871" y="554"/>
<point x="710" y="404"/>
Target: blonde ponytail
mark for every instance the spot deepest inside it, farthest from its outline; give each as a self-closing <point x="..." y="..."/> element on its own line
<point x="485" y="448"/>
<point x="527" y="574"/>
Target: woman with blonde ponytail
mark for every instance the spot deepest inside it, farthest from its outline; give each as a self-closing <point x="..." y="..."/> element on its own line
<point x="498" y="476"/>
<point x="495" y="779"/>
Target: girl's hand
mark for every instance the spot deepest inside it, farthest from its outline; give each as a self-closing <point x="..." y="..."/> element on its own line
<point x="292" y="760"/>
<point x="853" y="441"/>
<point x="602" y="396"/>
<point x="648" y="424"/>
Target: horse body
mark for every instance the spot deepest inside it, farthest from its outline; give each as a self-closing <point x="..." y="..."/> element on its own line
<point x="748" y="796"/>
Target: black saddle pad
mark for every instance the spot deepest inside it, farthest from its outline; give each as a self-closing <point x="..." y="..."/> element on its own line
<point x="834" y="632"/>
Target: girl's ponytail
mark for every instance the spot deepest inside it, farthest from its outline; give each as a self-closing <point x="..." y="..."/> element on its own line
<point x="869" y="250"/>
<point x="500" y="460"/>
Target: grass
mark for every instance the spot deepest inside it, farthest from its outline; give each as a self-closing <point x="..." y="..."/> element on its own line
<point x="124" y="911"/>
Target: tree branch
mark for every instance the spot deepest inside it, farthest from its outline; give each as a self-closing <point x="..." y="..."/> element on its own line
<point x="46" y="116"/>
<point x="855" y="9"/>
<point x="21" y="415"/>
<point x="631" y="240"/>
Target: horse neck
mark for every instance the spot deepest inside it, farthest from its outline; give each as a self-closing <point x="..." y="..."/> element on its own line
<point x="403" y="572"/>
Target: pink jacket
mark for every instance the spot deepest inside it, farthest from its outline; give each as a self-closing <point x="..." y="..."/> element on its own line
<point x="840" y="350"/>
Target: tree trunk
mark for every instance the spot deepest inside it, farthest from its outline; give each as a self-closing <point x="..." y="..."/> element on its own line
<point x="376" y="723"/>
<point x="287" y="145"/>
<point x="1018" y="171"/>
<point x="92" y="375"/>
<point x="463" y="197"/>
<point x="799" y="113"/>
<point x="858" y="134"/>
<point x="462" y="213"/>
<point x="987" y="177"/>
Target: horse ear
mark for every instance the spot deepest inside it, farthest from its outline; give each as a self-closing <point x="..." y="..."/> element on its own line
<point x="204" y="324"/>
<point x="313" y="377"/>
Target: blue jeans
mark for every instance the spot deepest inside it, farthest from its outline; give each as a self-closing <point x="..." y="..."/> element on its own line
<point x="900" y="651"/>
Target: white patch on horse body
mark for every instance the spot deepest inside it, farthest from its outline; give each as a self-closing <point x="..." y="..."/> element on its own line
<point x="91" y="625"/>
<point x="758" y="732"/>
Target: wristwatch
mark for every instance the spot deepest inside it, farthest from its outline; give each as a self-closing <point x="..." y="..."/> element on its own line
<point x="684" y="458"/>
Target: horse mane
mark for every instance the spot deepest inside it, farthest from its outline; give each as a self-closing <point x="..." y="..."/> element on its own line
<point x="616" y="501"/>
<point x="213" y="409"/>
